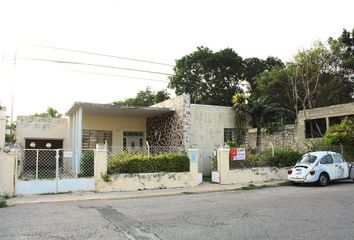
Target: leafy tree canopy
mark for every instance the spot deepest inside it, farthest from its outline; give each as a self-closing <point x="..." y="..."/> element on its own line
<point x="208" y="77"/>
<point x="145" y="98"/>
<point x="51" y="112"/>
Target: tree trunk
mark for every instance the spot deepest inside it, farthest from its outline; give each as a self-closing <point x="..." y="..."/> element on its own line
<point x="259" y="139"/>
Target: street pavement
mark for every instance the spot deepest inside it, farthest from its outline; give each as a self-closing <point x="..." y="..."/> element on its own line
<point x="288" y="212"/>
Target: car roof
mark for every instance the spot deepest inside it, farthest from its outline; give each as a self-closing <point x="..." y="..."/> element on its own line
<point x="320" y="154"/>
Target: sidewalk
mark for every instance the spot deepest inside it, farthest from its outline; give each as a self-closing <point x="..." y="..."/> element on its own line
<point x="205" y="187"/>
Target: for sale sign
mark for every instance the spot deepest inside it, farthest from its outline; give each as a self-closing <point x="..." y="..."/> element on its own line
<point x="238" y="154"/>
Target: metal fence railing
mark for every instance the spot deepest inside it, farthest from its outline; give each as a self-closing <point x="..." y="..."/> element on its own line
<point x="40" y="164"/>
<point x="346" y="151"/>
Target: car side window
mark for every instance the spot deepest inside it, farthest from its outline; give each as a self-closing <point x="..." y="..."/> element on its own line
<point x="337" y="158"/>
<point x="327" y="159"/>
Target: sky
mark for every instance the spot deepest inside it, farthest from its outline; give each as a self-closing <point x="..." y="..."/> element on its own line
<point x="156" y="30"/>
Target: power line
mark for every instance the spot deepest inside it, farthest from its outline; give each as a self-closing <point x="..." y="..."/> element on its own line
<point x="95" y="65"/>
<point x="118" y="75"/>
<point x="103" y="55"/>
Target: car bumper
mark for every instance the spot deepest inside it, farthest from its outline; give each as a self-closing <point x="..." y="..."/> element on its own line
<point x="306" y="179"/>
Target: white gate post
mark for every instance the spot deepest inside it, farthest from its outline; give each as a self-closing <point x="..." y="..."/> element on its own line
<point x="56" y="170"/>
<point x="223" y="164"/>
<point x="193" y="154"/>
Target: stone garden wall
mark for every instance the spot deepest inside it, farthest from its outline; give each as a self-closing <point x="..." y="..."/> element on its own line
<point x="280" y="138"/>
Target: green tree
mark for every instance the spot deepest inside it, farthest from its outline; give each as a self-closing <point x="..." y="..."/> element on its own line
<point x="10" y="136"/>
<point x="253" y="67"/>
<point x="261" y="112"/>
<point x="144" y="98"/>
<point x="51" y="112"/>
<point x="208" y="77"/>
<point x="239" y="106"/>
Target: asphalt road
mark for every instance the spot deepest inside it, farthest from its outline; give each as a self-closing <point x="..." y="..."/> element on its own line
<point x="306" y="212"/>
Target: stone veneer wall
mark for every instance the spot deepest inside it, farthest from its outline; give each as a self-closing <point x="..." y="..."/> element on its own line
<point x="284" y="138"/>
<point x="170" y="129"/>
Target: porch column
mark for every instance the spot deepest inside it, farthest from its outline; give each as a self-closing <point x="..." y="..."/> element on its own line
<point x="79" y="129"/>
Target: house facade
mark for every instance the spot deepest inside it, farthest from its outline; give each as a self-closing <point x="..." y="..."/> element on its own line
<point x="174" y="122"/>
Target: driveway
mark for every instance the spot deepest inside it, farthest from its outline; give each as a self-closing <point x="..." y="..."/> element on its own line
<point x="306" y="212"/>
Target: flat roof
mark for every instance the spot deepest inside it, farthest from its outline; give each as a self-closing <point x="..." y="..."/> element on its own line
<point x="113" y="110"/>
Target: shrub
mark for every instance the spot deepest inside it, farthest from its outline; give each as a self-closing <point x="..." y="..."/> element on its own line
<point x="283" y="157"/>
<point x="137" y="163"/>
<point x="87" y="164"/>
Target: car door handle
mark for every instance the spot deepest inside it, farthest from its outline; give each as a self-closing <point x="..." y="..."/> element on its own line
<point x="336" y="165"/>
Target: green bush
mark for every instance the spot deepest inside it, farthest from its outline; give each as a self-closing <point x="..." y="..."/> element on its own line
<point x="283" y="157"/>
<point x="87" y="164"/>
<point x="135" y="163"/>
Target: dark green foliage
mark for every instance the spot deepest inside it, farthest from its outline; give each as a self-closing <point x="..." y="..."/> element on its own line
<point x="145" y="98"/>
<point x="283" y="157"/>
<point x="135" y="163"/>
<point x="339" y="138"/>
<point x="209" y="77"/>
<point x="87" y="164"/>
<point x="51" y="112"/>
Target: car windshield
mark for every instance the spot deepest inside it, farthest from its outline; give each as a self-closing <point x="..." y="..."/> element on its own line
<point x="308" y="158"/>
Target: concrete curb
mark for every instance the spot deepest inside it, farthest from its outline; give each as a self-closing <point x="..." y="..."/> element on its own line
<point x="172" y="192"/>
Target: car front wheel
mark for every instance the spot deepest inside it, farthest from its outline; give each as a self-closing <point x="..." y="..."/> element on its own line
<point x="323" y="180"/>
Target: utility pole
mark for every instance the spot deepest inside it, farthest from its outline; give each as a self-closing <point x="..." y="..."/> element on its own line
<point x="12" y="102"/>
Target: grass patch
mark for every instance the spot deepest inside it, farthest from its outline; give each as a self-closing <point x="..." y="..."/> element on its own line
<point x="284" y="183"/>
<point x="252" y="187"/>
<point x="206" y="178"/>
<point x="3" y="202"/>
<point x="54" y="193"/>
<point x="188" y="193"/>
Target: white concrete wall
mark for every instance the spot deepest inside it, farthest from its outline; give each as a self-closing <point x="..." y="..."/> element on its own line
<point x="254" y="175"/>
<point x="42" y="128"/>
<point x="207" y="130"/>
<point x="140" y="181"/>
<point x="7" y="173"/>
<point x="2" y="126"/>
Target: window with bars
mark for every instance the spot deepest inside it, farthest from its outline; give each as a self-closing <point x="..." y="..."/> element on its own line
<point x="92" y="137"/>
<point x="229" y="134"/>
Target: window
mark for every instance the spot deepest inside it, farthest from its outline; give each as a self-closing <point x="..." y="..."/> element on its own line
<point x="338" y="119"/>
<point x="91" y="137"/>
<point x="133" y="139"/>
<point x="229" y="134"/>
<point x="327" y="160"/>
<point x="337" y="159"/>
<point x="315" y="128"/>
<point x="308" y="158"/>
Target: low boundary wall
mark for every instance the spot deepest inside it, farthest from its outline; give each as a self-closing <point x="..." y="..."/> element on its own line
<point x="141" y="181"/>
<point x="245" y="175"/>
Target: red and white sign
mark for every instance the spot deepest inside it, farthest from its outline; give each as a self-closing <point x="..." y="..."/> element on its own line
<point x="237" y="154"/>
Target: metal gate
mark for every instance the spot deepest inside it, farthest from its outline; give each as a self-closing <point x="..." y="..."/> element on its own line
<point x="54" y="170"/>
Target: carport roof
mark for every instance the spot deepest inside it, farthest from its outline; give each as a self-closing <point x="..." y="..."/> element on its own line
<point x="99" y="109"/>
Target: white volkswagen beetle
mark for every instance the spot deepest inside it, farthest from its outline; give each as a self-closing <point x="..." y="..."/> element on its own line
<point x="321" y="167"/>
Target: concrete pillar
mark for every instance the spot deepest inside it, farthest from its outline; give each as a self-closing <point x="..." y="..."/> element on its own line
<point x="193" y="155"/>
<point x="7" y="173"/>
<point x="2" y="126"/>
<point x="79" y="129"/>
<point x="100" y="162"/>
<point x="223" y="157"/>
<point x="327" y="124"/>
